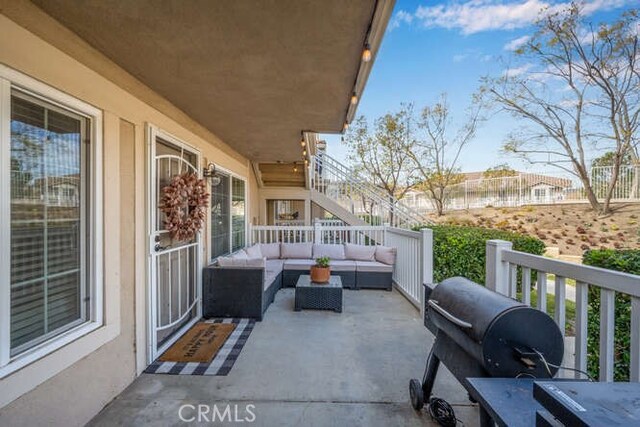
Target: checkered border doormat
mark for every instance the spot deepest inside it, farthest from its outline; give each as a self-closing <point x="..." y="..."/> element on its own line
<point x="221" y="364"/>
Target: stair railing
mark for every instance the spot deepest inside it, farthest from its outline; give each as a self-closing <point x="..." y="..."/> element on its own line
<point x="347" y="188"/>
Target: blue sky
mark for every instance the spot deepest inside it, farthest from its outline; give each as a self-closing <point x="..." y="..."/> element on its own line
<point x="432" y="47"/>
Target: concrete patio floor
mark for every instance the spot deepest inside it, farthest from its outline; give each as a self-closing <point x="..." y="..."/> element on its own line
<point x="309" y="368"/>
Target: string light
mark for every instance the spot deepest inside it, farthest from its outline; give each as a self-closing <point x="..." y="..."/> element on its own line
<point x="366" y="53"/>
<point x="354" y="98"/>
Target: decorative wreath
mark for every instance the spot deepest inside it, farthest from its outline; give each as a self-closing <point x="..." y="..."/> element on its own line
<point x="184" y="202"/>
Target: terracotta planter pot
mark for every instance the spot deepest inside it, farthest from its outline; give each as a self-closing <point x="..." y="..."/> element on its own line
<point x="320" y="274"/>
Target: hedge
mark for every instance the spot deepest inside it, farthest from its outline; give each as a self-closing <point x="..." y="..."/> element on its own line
<point x="627" y="261"/>
<point x="461" y="251"/>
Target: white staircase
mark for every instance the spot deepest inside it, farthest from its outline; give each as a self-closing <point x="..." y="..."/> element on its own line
<point x="341" y="191"/>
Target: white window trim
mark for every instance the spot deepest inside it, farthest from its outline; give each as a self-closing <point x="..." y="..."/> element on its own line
<point x="9" y="79"/>
<point x="231" y="174"/>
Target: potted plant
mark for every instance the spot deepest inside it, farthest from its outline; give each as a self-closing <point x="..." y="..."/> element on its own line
<point x="321" y="272"/>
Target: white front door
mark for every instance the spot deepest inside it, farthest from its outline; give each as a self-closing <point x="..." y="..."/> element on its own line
<point x="174" y="265"/>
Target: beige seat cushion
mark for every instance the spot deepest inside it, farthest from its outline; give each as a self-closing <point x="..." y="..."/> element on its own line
<point x="298" y="264"/>
<point x="331" y="251"/>
<point x="359" y="252"/>
<point x="343" y="265"/>
<point x="269" y="277"/>
<point x="296" y="250"/>
<point x="241" y="262"/>
<point x="275" y="265"/>
<point x="373" y="267"/>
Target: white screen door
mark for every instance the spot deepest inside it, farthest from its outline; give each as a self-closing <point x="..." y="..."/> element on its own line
<point x="174" y="297"/>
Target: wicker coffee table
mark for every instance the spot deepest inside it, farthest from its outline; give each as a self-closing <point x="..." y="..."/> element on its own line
<point x="319" y="296"/>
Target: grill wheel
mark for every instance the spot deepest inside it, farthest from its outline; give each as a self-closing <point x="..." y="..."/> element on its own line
<point x="417" y="396"/>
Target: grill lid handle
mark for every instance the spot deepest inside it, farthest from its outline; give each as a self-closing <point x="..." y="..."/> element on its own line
<point x="450" y="317"/>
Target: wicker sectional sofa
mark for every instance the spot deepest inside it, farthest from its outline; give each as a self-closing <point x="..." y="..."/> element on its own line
<point x="245" y="284"/>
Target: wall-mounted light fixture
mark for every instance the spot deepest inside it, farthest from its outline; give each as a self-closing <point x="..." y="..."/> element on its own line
<point x="366" y="53"/>
<point x="211" y="173"/>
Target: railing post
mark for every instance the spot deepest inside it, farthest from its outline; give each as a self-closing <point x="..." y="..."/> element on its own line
<point x="497" y="271"/>
<point x="386" y="226"/>
<point x="317" y="233"/>
<point x="426" y="272"/>
<point x="251" y="242"/>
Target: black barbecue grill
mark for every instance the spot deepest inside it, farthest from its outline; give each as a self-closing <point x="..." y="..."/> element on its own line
<point x="480" y="333"/>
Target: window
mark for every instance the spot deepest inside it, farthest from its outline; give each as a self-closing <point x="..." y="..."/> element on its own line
<point x="220" y="237"/>
<point x="237" y="214"/>
<point x="46" y="283"/>
<point x="228" y="215"/>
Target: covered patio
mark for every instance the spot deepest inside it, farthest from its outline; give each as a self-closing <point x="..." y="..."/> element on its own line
<point x="308" y="368"/>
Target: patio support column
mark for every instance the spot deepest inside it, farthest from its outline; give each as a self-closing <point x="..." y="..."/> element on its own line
<point x="497" y="270"/>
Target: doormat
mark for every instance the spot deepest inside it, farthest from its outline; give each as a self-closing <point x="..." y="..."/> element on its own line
<point x="223" y="361"/>
<point x="199" y="344"/>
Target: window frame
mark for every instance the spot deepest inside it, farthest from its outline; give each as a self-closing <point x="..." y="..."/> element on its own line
<point x="231" y="175"/>
<point x="93" y="223"/>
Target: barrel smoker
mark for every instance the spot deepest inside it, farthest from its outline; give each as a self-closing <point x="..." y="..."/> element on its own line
<point x="480" y="333"/>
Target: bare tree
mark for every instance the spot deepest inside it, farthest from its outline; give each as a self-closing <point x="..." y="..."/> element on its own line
<point x="436" y="152"/>
<point x="381" y="155"/>
<point x="577" y="88"/>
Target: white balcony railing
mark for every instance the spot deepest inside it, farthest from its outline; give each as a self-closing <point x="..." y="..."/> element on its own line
<point x="414" y="261"/>
<point x="503" y="264"/>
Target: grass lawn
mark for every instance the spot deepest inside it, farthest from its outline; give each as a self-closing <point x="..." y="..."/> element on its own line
<point x="570" y="310"/>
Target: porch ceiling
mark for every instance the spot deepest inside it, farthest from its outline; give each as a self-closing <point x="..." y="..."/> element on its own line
<point x="255" y="73"/>
<point x="282" y="174"/>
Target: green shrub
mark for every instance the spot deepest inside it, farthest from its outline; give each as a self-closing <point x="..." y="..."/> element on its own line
<point x="461" y="251"/>
<point x="627" y="261"/>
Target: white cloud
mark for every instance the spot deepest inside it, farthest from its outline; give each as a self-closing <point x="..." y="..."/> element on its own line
<point x="401" y="17"/>
<point x="473" y="16"/>
<point x="517" y="43"/>
<point x="517" y="71"/>
<point x="460" y="57"/>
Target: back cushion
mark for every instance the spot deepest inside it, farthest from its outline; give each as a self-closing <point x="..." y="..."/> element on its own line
<point x="386" y="255"/>
<point x="296" y="250"/>
<point x="270" y="250"/>
<point x="359" y="252"/>
<point x="241" y="254"/>
<point x="332" y="251"/>
<point x="254" y="251"/>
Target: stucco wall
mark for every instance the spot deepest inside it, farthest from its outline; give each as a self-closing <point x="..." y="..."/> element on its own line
<point x="74" y="395"/>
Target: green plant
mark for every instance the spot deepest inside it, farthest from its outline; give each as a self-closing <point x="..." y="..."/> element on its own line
<point x="461" y="251"/>
<point x="323" y="262"/>
<point x="627" y="261"/>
